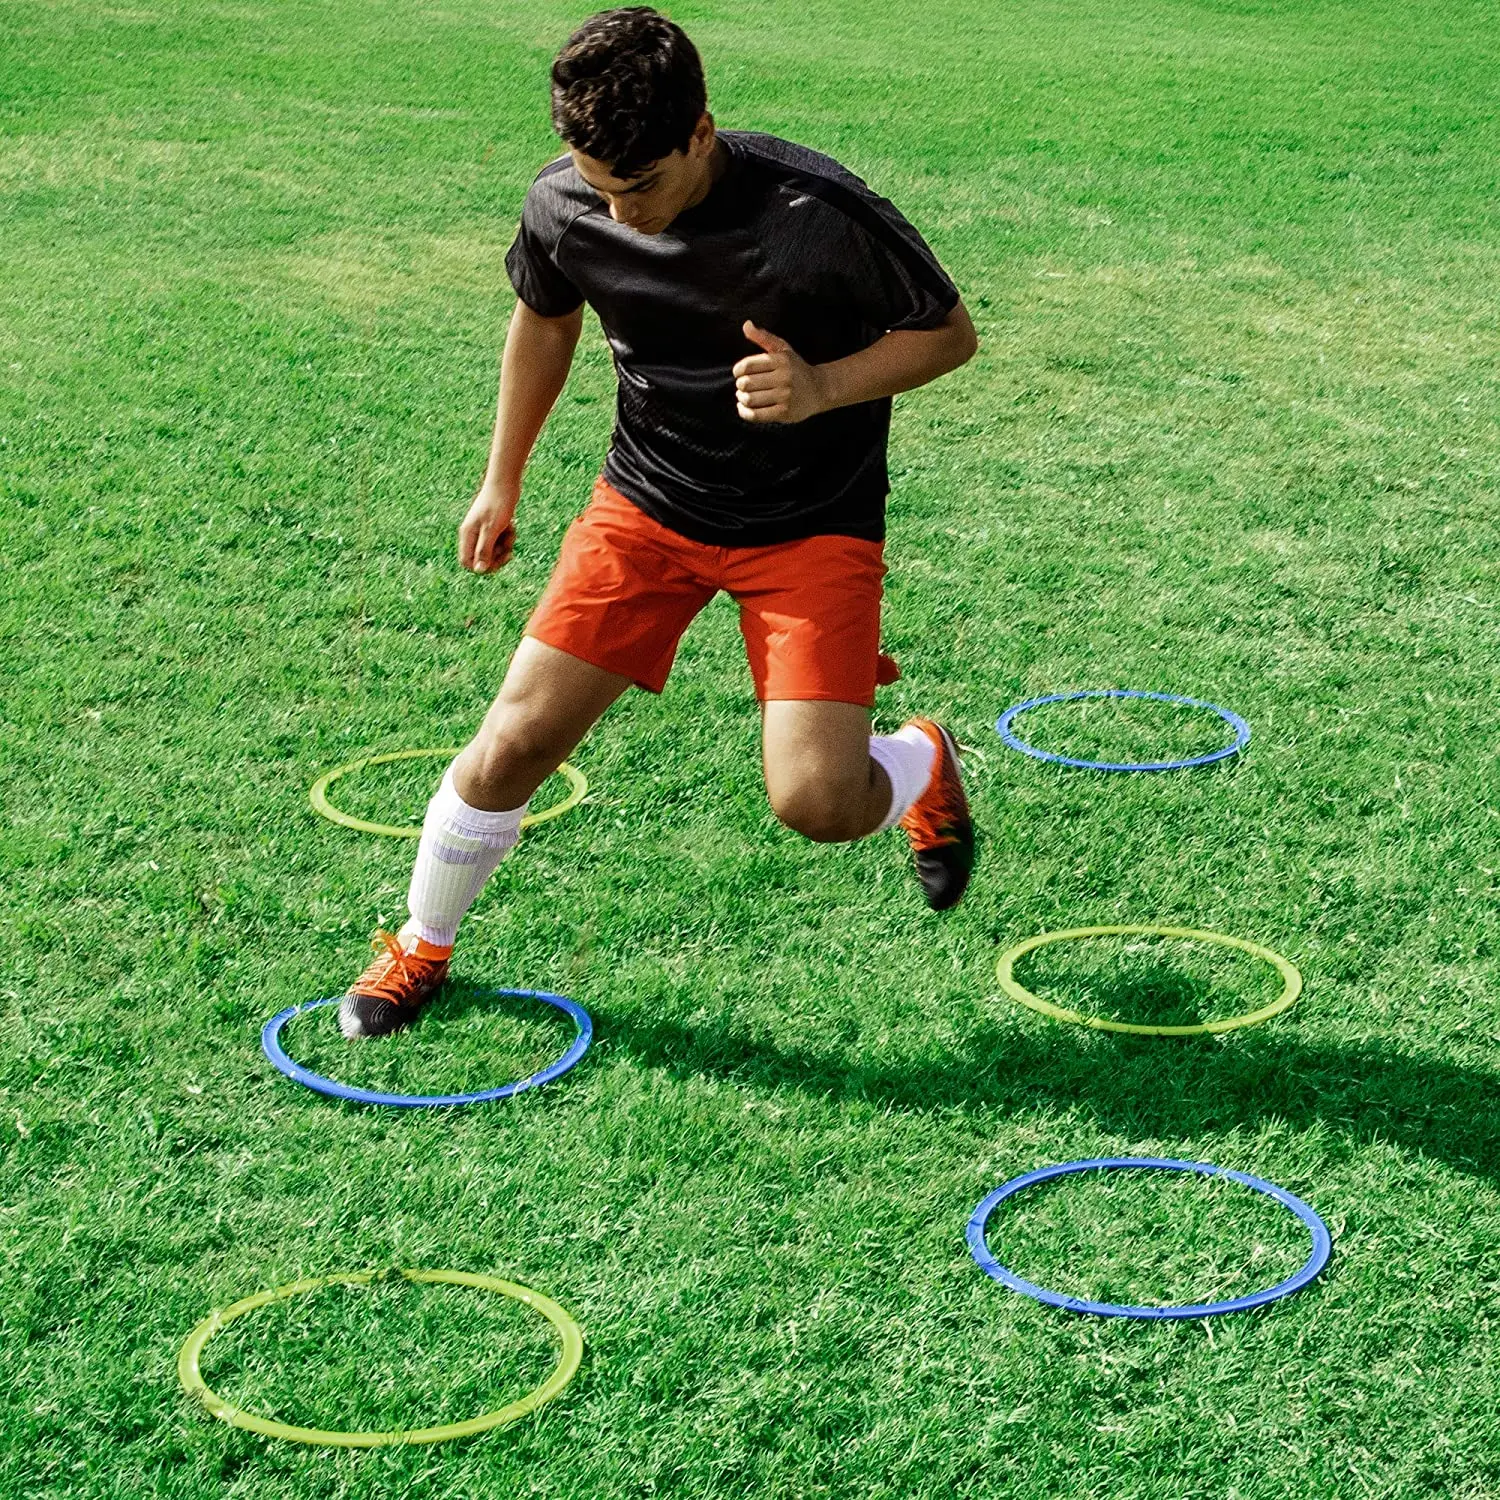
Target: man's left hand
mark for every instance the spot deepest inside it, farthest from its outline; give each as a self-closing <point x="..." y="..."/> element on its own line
<point x="777" y="386"/>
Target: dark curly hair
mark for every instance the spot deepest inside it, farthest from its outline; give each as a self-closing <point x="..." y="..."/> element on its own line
<point x="628" y="89"/>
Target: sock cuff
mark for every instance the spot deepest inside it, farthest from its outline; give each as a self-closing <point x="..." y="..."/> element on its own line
<point x="439" y="946"/>
<point x="907" y="758"/>
<point x="473" y="822"/>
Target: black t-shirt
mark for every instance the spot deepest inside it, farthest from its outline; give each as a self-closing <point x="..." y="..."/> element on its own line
<point x="787" y="238"/>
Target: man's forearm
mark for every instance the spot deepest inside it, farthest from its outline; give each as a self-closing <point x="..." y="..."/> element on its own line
<point x="533" y="370"/>
<point x="898" y="361"/>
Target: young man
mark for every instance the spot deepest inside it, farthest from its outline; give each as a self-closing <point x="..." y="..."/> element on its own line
<point x="762" y="306"/>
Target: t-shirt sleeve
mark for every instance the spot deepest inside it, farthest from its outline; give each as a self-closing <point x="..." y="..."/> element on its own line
<point x="893" y="276"/>
<point x="531" y="261"/>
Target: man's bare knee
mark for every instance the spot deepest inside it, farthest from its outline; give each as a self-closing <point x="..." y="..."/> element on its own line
<point x="521" y="744"/>
<point x="507" y="761"/>
<point x="820" y="813"/>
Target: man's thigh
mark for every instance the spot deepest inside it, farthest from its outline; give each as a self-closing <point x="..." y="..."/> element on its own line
<point x="557" y="696"/>
<point x="547" y="703"/>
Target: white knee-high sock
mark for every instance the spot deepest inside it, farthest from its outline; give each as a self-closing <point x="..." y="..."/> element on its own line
<point x="906" y="757"/>
<point x="460" y="848"/>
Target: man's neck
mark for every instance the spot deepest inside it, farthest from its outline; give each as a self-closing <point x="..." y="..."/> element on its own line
<point x="714" y="169"/>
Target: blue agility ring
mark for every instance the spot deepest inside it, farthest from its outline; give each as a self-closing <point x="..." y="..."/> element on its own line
<point x="1322" y="1241"/>
<point x="1235" y="722"/>
<point x="270" y="1043"/>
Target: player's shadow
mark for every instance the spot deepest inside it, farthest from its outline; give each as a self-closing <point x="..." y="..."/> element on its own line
<point x="1132" y="1086"/>
<point x="1160" y="996"/>
<point x="459" y="998"/>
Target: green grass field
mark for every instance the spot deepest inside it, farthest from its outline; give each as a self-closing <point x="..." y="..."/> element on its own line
<point x="1232" y="433"/>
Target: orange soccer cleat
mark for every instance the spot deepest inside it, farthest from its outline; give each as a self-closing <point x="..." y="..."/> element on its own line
<point x="938" y="825"/>
<point x="405" y="975"/>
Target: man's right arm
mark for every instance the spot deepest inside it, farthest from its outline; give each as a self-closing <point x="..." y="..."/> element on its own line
<point x="533" y="370"/>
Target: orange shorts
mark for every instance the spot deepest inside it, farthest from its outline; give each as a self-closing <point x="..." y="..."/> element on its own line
<point x="626" y="587"/>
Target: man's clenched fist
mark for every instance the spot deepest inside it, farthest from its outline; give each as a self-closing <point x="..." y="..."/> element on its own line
<point x="777" y="386"/>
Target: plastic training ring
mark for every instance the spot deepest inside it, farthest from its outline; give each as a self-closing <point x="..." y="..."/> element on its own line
<point x="1240" y="727"/>
<point x="1322" y="1242"/>
<point x="567" y="1365"/>
<point x="578" y="786"/>
<point x="1291" y="987"/>
<point x="270" y="1044"/>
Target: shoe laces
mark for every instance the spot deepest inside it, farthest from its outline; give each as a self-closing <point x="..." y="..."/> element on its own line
<point x="395" y="970"/>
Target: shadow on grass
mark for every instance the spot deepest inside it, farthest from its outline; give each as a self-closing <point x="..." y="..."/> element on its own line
<point x="1163" y="997"/>
<point x="1131" y="1086"/>
<point x="459" y="997"/>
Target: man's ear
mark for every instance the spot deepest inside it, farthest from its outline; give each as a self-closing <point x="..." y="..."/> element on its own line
<point x="703" y="134"/>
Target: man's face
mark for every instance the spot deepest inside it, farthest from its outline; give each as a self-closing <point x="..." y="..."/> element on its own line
<point x="649" y="201"/>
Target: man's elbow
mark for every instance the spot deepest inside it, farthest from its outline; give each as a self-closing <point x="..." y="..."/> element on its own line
<point x="964" y="340"/>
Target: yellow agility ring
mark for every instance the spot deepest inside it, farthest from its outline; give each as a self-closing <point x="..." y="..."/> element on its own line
<point x="578" y="787"/>
<point x="567" y="1366"/>
<point x="1291" y="986"/>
